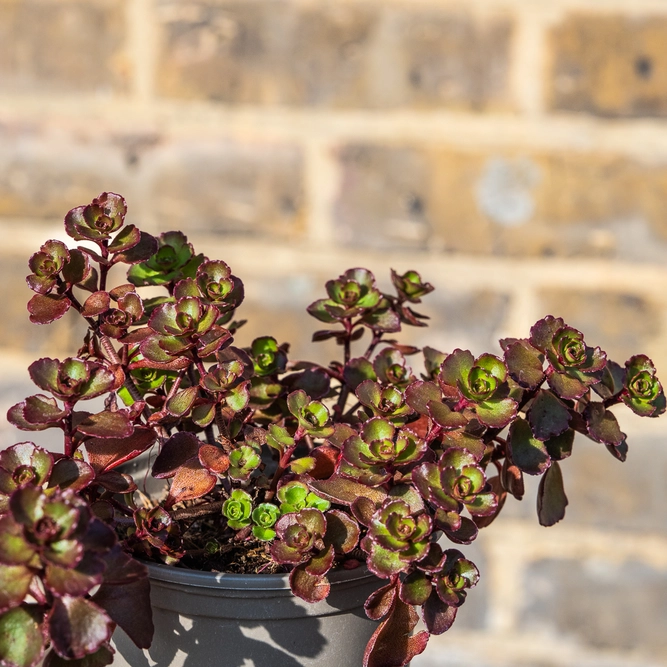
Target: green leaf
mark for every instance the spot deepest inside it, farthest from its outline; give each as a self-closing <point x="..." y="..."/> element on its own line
<point x="14" y="584"/>
<point x="21" y="637"/>
<point x="551" y="498"/>
<point x="527" y="452"/>
<point x="496" y="413"/>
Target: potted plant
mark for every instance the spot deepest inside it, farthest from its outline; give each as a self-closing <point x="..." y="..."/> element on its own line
<point x="366" y="474"/>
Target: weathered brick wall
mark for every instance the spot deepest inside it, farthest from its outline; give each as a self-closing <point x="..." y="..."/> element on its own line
<point x="513" y="151"/>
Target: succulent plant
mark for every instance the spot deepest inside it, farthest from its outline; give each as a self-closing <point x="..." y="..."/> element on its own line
<point x="312" y="467"/>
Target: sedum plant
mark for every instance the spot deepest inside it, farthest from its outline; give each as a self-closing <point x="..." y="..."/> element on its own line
<point x="389" y="456"/>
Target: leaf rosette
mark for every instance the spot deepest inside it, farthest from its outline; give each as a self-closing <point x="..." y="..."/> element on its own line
<point x="455" y="576"/>
<point x="573" y="365"/>
<point x="643" y="393"/>
<point x="237" y="509"/>
<point x="312" y="416"/>
<point x="21" y="465"/>
<point x="97" y="221"/>
<point x="264" y="517"/>
<point x="396" y="538"/>
<point x="479" y="384"/>
<point x="379" y="450"/>
<point x="174" y="260"/>
<point x="354" y="293"/>
<point x="295" y="496"/>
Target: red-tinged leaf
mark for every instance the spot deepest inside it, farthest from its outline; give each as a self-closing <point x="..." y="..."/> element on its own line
<point x="77" y="271"/>
<point x="14" y="548"/>
<point x="551" y="498"/>
<point x="42" y="409"/>
<point x="124" y="595"/>
<point x="190" y="481"/>
<point x="363" y="509"/>
<point x="321" y="563"/>
<point x="107" y="425"/>
<point x="560" y="447"/>
<point x="302" y="465"/>
<point x="71" y="474"/>
<point x="391" y="644"/>
<point x="181" y="403"/>
<point x="524" y="363"/>
<point x="419" y="394"/>
<point x="181" y="447"/>
<point x="309" y="587"/>
<point x="101" y="658"/>
<point x="342" y="531"/>
<point x="96" y="304"/>
<point x="143" y="250"/>
<point x="46" y="308"/>
<point x="602" y="425"/>
<point x="126" y="238"/>
<point x="116" y="482"/>
<point x="213" y="459"/>
<point x="619" y="452"/>
<point x="345" y="491"/>
<point x="78" y="626"/>
<point x="75" y="581"/>
<point x="111" y="452"/>
<point x="526" y="451"/>
<point x="22" y="637"/>
<point x="511" y="479"/>
<point x="14" y="584"/>
<point x="438" y="616"/>
<point x="548" y="416"/>
<point x="326" y="457"/>
<point x="16" y="418"/>
<point x="465" y="533"/>
<point x="379" y="603"/>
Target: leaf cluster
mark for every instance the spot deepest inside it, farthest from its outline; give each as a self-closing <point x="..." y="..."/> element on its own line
<point x="368" y="459"/>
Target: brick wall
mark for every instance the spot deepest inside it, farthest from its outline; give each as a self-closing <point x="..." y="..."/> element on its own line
<point x="513" y="151"/>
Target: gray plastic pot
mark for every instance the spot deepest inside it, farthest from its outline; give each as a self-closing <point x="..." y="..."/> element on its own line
<point x="205" y="619"/>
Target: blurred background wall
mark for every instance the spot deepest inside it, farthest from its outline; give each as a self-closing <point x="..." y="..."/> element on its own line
<point x="512" y="151"/>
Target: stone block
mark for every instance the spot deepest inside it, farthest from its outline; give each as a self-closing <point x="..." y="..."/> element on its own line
<point x="609" y="65"/>
<point x="63" y="47"/>
<point x="224" y="187"/>
<point x="598" y="603"/>
<point x="43" y="176"/>
<point x="332" y="55"/>
<point x="508" y="203"/>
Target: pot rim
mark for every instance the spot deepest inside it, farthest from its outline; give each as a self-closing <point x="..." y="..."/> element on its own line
<point x="231" y="581"/>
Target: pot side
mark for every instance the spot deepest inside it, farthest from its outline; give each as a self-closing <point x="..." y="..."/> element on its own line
<point x="205" y="619"/>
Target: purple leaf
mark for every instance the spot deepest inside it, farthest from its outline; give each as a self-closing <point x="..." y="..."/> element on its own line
<point x="46" y="308"/>
<point x="526" y="451"/>
<point x="392" y="645"/>
<point x="71" y="474"/>
<point x="107" y="425"/>
<point x="181" y="447"/>
<point x="548" y="416"/>
<point x="438" y="616"/>
<point x="379" y="602"/>
<point x="551" y="498"/>
<point x="78" y="626"/>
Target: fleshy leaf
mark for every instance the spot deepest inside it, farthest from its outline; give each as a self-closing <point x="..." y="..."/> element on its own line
<point x="309" y="587"/>
<point x="602" y="425"/>
<point x="191" y="481"/>
<point x="46" y="308"/>
<point x="551" y="498"/>
<point x="525" y="364"/>
<point x="380" y="602"/>
<point x="69" y="473"/>
<point x="21" y="637"/>
<point x="107" y="425"/>
<point x="392" y="645"/>
<point x="345" y="491"/>
<point x="78" y="626"/>
<point x="527" y="452"/>
<point x="101" y="658"/>
<point x="438" y="616"/>
<point x="548" y="416"/>
<point x="14" y="584"/>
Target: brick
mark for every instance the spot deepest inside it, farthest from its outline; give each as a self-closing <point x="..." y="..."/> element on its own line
<point x="62" y="47"/>
<point x="599" y="603"/>
<point x="332" y="56"/>
<point x="507" y="203"/>
<point x="609" y="65"/>
<point x="445" y="58"/>
<point x="621" y="324"/>
<point x="220" y="187"/>
<point x="42" y="176"/>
